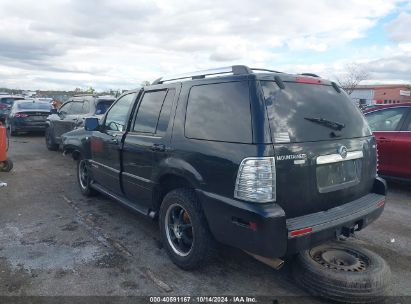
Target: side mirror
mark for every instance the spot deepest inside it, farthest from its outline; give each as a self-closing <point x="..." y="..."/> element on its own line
<point x="91" y="124"/>
<point x="53" y="111"/>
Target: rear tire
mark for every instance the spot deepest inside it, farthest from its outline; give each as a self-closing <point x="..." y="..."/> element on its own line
<point x="84" y="179"/>
<point x="12" y="131"/>
<point x="50" y="143"/>
<point x="343" y="273"/>
<point x="184" y="230"/>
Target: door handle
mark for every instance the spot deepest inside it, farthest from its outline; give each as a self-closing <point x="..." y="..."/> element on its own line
<point x="384" y="139"/>
<point x="158" y="147"/>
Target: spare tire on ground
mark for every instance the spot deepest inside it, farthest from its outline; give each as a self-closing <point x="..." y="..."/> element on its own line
<point x="342" y="272"/>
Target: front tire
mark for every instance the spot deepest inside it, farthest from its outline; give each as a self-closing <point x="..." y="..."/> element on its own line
<point x="50" y="143"/>
<point x="84" y="179"/>
<point x="184" y="230"/>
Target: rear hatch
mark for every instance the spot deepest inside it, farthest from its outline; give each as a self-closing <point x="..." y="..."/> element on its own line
<point x="325" y="153"/>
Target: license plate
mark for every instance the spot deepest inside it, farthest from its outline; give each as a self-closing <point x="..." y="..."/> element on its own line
<point x="336" y="176"/>
<point x="37" y="118"/>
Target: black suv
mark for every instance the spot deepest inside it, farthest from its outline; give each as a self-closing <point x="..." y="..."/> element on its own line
<point x="267" y="162"/>
<point x="71" y="115"/>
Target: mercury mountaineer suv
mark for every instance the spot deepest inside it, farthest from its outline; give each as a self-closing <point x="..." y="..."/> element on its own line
<point x="268" y="162"/>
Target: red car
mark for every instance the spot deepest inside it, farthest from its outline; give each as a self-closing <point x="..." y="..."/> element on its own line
<point x="391" y="125"/>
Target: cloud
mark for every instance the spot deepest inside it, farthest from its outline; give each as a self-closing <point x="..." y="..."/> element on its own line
<point x="399" y="29"/>
<point x="114" y="44"/>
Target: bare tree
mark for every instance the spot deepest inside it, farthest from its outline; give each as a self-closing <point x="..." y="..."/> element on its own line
<point x="353" y="74"/>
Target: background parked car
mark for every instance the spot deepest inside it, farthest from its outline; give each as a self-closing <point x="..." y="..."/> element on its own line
<point x="71" y="115"/>
<point x="28" y="115"/>
<point x="391" y="126"/>
<point x="6" y="102"/>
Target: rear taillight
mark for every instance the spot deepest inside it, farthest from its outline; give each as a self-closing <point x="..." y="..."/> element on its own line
<point x="256" y="180"/>
<point x="20" y="115"/>
<point x="3" y="106"/>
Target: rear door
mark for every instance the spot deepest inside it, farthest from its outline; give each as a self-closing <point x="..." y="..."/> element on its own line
<point x="106" y="144"/>
<point x="386" y="125"/>
<point x="324" y="151"/>
<point x="147" y="143"/>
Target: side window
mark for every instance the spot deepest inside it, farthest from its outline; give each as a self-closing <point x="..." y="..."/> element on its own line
<point x="385" y="120"/>
<point x="219" y="112"/>
<point x="86" y="107"/>
<point x="407" y="127"/>
<point x="116" y="118"/>
<point x="165" y="113"/>
<point x="76" y="108"/>
<point x="66" y="108"/>
<point x="149" y="111"/>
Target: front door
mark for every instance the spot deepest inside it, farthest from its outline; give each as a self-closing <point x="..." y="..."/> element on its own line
<point x="385" y="124"/>
<point x="403" y="147"/>
<point x="147" y="143"/>
<point x="106" y="144"/>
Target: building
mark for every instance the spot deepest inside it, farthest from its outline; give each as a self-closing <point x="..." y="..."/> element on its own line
<point x="366" y="95"/>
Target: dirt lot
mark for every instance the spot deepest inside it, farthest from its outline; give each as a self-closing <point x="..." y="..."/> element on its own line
<point x="53" y="241"/>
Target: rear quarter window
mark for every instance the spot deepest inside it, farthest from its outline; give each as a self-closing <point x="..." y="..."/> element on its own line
<point x="219" y="112"/>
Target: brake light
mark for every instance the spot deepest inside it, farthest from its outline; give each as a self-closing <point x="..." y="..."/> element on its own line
<point x="300" y="232"/>
<point x="256" y="180"/>
<point x="3" y="106"/>
<point x="20" y="115"/>
<point x="308" y="80"/>
<point x="381" y="203"/>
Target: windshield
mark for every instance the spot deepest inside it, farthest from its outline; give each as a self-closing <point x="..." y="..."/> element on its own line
<point x="102" y="106"/>
<point x="33" y="106"/>
<point x="306" y="112"/>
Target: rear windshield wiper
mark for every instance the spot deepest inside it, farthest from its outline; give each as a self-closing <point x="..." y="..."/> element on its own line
<point x="327" y="123"/>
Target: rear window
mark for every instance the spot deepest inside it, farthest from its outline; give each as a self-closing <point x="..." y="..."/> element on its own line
<point x="9" y="101"/>
<point x="102" y="106"/>
<point x="289" y="110"/>
<point x="219" y="112"/>
<point x="33" y="106"/>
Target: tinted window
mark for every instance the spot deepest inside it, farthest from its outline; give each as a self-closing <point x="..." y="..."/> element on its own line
<point x="165" y="113"/>
<point x="290" y="108"/>
<point x="102" y="106"/>
<point x="149" y="111"/>
<point x="9" y="101"/>
<point x="219" y="112"/>
<point x="385" y="120"/>
<point x="33" y="106"/>
<point x="116" y="118"/>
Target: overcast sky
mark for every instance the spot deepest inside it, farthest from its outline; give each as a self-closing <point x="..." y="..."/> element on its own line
<point x="112" y="44"/>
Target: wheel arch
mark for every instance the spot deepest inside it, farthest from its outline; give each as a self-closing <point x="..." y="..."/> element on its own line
<point x="167" y="182"/>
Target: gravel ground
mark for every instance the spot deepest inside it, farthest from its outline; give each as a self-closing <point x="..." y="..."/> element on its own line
<point x="55" y="242"/>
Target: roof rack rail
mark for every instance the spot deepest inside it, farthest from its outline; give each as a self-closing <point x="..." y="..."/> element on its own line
<point x="265" y="70"/>
<point x="310" y="74"/>
<point x="234" y="70"/>
<point x="84" y="94"/>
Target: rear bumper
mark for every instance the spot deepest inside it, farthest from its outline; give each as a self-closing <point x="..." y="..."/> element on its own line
<point x="312" y="229"/>
<point x="263" y="229"/>
<point x="27" y="127"/>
